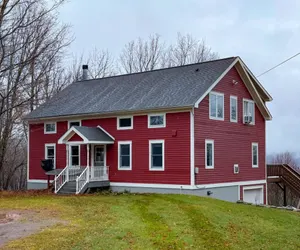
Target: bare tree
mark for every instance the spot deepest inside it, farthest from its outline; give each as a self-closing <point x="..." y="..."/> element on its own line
<point x="187" y="50"/>
<point x="140" y="55"/>
<point x="32" y="43"/>
<point x="285" y="158"/>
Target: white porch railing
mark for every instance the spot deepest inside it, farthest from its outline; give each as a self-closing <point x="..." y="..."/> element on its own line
<point x="99" y="173"/>
<point x="61" y="179"/>
<point x="82" y="179"/>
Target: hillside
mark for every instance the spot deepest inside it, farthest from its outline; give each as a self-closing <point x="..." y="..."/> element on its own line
<point x="131" y="221"/>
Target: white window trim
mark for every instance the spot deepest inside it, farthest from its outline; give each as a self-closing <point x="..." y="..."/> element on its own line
<point x="46" y="152"/>
<point x="213" y="154"/>
<point x="163" y="155"/>
<point x="119" y="154"/>
<point x="251" y="101"/>
<point x="234" y="98"/>
<point x="254" y="144"/>
<point x="50" y="132"/>
<point x="124" y="117"/>
<point x="70" y="155"/>
<point x="73" y="121"/>
<point x="212" y="117"/>
<point x="157" y="126"/>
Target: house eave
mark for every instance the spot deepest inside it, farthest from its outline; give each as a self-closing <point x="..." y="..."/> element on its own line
<point x="109" y="114"/>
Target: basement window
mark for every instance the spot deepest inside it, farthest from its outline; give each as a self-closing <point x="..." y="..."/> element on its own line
<point x="50" y="128"/>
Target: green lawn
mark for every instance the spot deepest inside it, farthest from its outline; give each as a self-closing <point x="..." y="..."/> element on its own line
<point x="131" y="221"/>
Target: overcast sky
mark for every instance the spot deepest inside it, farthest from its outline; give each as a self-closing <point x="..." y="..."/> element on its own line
<point x="262" y="33"/>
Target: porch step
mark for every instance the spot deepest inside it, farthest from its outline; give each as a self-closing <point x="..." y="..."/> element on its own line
<point x="68" y="188"/>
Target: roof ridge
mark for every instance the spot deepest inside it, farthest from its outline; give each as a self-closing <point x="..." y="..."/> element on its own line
<point x="135" y="73"/>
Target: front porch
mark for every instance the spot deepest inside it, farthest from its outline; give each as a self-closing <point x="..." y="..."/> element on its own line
<point x="75" y="178"/>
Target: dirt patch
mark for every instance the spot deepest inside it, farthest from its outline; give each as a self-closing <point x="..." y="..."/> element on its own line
<point x="18" y="224"/>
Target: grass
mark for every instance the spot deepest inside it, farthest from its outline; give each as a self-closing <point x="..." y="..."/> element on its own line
<point x="131" y="221"/>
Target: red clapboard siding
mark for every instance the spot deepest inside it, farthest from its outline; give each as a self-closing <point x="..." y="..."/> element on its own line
<point x="232" y="141"/>
<point x="75" y="137"/>
<point x="177" y="149"/>
<point x="37" y="141"/>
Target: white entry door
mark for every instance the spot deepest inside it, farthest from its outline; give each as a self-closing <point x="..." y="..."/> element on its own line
<point x="99" y="155"/>
<point x="254" y="195"/>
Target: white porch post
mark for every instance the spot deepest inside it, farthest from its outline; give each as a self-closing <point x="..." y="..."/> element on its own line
<point x="67" y="155"/>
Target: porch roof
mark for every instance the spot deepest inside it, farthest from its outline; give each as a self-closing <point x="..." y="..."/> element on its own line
<point x="88" y="135"/>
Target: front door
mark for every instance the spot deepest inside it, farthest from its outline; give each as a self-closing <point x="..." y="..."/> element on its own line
<point x="99" y="155"/>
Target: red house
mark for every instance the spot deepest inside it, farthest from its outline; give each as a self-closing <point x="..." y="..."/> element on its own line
<point x="196" y="129"/>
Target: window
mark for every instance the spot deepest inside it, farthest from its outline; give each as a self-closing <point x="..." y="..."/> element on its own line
<point x="249" y="112"/>
<point x="125" y="154"/>
<point x="157" y="121"/>
<point x="125" y="122"/>
<point x="216" y="106"/>
<point x="209" y="154"/>
<point x="233" y="109"/>
<point x="255" y="155"/>
<point x="156" y="155"/>
<point x="74" y="123"/>
<point x="74" y="155"/>
<point x="50" y="128"/>
<point x="50" y="152"/>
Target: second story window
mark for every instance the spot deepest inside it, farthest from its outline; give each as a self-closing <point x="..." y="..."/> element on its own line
<point x="157" y="121"/>
<point x="248" y="112"/>
<point x="50" y="128"/>
<point x="233" y="109"/>
<point x="125" y="122"/>
<point x="74" y="123"/>
<point x="216" y="106"/>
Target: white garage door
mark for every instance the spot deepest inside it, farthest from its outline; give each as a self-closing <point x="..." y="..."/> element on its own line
<point x="253" y="195"/>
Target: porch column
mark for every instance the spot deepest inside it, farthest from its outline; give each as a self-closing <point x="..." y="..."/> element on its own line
<point x="67" y="155"/>
<point x="88" y="154"/>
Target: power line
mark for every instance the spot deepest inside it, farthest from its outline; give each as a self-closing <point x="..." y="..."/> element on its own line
<point x="279" y="64"/>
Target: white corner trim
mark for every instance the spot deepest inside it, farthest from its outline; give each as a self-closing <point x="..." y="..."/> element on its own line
<point x="69" y="121"/>
<point x="50" y="132"/>
<point x="130" y="155"/>
<point x="157" y="126"/>
<point x="215" y="83"/>
<point x="106" y="132"/>
<point x="232" y="97"/>
<point x="124" y="117"/>
<point x="163" y="155"/>
<point x="192" y="147"/>
<point x="209" y="141"/>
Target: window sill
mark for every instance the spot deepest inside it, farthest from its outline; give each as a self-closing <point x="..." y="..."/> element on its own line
<point x="126" y="169"/>
<point x="210" y="167"/>
<point x="124" y="128"/>
<point x="215" y="118"/>
<point x="156" y="126"/>
<point x="49" y="133"/>
<point x="157" y="169"/>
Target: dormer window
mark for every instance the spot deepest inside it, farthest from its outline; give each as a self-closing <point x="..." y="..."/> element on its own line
<point x="216" y="106"/>
<point x="248" y="112"/>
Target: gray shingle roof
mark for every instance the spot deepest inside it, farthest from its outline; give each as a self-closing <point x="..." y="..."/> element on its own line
<point x="93" y="134"/>
<point x="164" y="88"/>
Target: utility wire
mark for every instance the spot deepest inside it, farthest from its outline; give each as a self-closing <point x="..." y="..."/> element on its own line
<point x="279" y="64"/>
